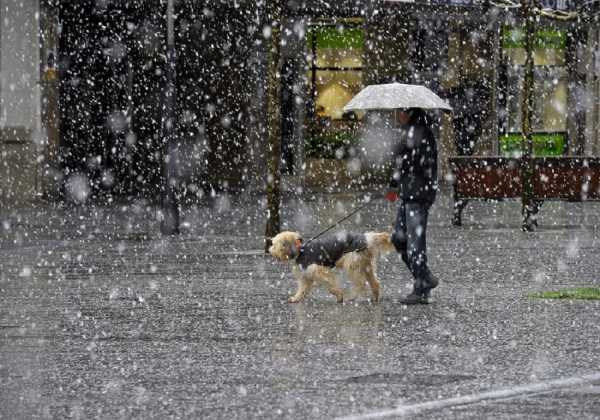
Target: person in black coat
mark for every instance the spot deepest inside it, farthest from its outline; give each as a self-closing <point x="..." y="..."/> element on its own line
<point x="414" y="182"/>
<point x="469" y="101"/>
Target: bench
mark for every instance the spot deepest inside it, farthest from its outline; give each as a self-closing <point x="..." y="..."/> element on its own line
<point x="563" y="178"/>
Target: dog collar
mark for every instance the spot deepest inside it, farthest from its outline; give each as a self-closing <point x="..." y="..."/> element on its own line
<point x="296" y="253"/>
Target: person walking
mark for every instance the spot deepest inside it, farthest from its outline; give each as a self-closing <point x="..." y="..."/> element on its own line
<point x="414" y="182"/>
<point x="469" y="102"/>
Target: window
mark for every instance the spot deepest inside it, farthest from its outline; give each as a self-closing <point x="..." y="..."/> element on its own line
<point x="549" y="121"/>
<point x="335" y="57"/>
<point x="335" y="53"/>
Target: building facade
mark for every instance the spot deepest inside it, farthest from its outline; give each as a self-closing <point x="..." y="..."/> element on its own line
<point x="473" y="54"/>
<point x="82" y="85"/>
<point x="21" y="132"/>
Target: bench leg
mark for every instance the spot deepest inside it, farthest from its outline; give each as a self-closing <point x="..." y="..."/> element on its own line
<point x="459" y="205"/>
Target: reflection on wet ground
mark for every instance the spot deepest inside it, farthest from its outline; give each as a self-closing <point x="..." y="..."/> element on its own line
<point x="100" y="316"/>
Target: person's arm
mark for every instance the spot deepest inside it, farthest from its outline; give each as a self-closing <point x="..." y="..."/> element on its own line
<point x="398" y="158"/>
<point x="429" y="156"/>
<point x="399" y="155"/>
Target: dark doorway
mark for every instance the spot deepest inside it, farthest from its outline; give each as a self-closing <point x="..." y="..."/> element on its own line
<point x="112" y="69"/>
<point x="110" y="89"/>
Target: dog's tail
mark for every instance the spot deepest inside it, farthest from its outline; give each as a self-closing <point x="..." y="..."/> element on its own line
<point x="381" y="242"/>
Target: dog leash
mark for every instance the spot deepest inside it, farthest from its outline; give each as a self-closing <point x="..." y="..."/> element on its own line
<point x="352" y="213"/>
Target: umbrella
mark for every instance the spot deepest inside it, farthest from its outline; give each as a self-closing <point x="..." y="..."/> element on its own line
<point x="395" y="96"/>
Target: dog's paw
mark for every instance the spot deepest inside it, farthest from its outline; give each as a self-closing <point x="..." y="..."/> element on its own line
<point x="293" y="300"/>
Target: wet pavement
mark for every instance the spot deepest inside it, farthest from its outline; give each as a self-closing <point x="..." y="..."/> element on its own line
<point x="102" y="317"/>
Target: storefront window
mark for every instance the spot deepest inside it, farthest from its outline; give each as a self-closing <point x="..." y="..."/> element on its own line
<point x="550" y="87"/>
<point x="336" y="67"/>
<point x="335" y="76"/>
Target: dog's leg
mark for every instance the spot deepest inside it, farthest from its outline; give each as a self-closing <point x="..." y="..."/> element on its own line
<point x="332" y="282"/>
<point x="371" y="275"/>
<point x="358" y="283"/>
<point x="358" y="268"/>
<point x="305" y="283"/>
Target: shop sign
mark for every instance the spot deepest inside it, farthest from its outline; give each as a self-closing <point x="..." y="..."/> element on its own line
<point x="561" y="5"/>
<point x="544" y="144"/>
<point x="456" y="2"/>
<point x="543" y="38"/>
<point x="331" y="37"/>
<point x="443" y="2"/>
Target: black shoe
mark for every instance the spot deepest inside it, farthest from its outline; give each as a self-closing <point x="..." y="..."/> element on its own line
<point x="433" y="282"/>
<point x="415" y="299"/>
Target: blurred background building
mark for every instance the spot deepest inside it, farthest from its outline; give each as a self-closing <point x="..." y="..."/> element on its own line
<point x="81" y="89"/>
<point x="21" y="131"/>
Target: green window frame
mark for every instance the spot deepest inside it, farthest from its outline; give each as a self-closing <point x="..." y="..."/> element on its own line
<point x="334" y="77"/>
<point x="550" y="85"/>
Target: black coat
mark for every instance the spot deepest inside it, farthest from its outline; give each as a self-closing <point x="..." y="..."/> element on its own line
<point x="415" y="164"/>
<point x="327" y="251"/>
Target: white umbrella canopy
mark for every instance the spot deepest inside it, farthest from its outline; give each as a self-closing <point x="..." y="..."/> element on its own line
<point x="396" y="96"/>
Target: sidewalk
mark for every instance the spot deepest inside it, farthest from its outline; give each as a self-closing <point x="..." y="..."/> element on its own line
<point x="101" y="317"/>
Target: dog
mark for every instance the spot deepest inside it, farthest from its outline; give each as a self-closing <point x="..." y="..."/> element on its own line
<point x="313" y="262"/>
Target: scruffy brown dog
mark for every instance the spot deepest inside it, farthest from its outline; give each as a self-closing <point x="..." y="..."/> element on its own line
<point x="313" y="263"/>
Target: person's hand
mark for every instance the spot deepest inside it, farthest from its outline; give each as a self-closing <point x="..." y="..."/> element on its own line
<point x="391" y="196"/>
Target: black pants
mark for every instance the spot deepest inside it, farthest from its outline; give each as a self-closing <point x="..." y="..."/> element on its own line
<point x="410" y="240"/>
